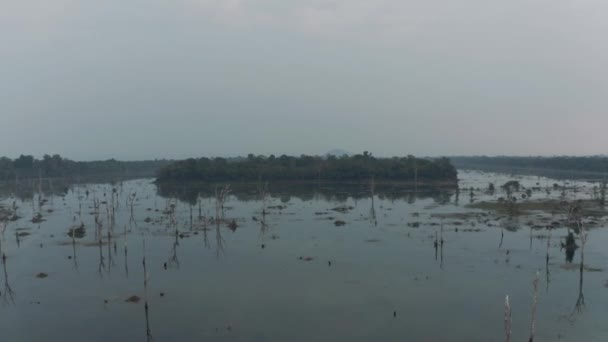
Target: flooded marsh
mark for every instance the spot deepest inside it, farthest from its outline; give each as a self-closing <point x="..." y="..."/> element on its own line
<point x="136" y="261"/>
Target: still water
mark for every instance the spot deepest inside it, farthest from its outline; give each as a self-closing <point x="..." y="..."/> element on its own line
<point x="316" y="263"/>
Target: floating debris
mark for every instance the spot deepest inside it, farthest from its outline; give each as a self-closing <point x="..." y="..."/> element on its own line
<point x="41" y="275"/>
<point x="343" y="209"/>
<point x="22" y="232"/>
<point x="306" y="258"/>
<point x="77" y="232"/>
<point x="133" y="299"/>
<point x="37" y="218"/>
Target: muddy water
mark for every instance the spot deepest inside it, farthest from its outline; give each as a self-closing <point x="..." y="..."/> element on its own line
<point x="283" y="270"/>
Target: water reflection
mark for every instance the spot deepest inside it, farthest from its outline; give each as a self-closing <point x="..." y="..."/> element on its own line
<point x="575" y="220"/>
<point x="26" y="190"/>
<point x="502" y="237"/>
<point x="102" y="264"/>
<point x="146" y="306"/>
<point x="372" y="210"/>
<point x="219" y="240"/>
<point x="438" y="244"/>
<point x="191" y="193"/>
<point x="465" y="256"/>
<point x="126" y="255"/>
<point x="8" y="295"/>
<point x="547" y="272"/>
<point x="74" y="256"/>
<point x="580" y="301"/>
<point x="173" y="258"/>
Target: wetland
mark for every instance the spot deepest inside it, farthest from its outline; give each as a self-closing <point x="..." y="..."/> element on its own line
<point x="139" y="260"/>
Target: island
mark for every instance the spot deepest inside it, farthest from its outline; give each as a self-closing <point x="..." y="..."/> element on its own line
<point x="358" y="167"/>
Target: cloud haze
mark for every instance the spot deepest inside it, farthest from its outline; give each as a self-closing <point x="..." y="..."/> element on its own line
<point x="149" y="78"/>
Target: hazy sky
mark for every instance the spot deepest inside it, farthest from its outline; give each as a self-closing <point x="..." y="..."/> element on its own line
<point x="136" y="79"/>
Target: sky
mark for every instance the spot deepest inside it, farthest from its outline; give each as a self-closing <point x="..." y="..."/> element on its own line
<point x="141" y="79"/>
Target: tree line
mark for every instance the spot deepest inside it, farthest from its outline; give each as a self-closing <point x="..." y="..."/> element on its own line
<point x="288" y="168"/>
<point x="55" y="166"/>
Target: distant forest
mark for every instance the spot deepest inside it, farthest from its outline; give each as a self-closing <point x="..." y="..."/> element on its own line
<point x="593" y="165"/>
<point x="331" y="168"/>
<point x="28" y="167"/>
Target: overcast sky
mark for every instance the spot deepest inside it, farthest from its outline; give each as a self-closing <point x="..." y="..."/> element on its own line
<point x="135" y="79"/>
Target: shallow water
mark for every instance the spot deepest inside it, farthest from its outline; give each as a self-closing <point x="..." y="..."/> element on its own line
<point x="374" y="278"/>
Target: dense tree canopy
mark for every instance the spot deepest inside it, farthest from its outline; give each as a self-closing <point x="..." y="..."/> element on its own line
<point x="345" y="168"/>
<point x="55" y="166"/>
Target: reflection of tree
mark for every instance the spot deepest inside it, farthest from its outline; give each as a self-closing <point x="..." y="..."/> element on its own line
<point x="102" y="264"/>
<point x="110" y="259"/>
<point x="205" y="238"/>
<point x="438" y="244"/>
<point x="25" y="189"/>
<point x="146" y="307"/>
<point x="131" y="199"/>
<point x="580" y="301"/>
<point x="74" y="256"/>
<point x="221" y="194"/>
<point x="126" y="261"/>
<point x="8" y="295"/>
<point x="307" y="191"/>
<point x="372" y="210"/>
<point x="502" y="237"/>
<point x="173" y="259"/>
<point x="547" y="272"/>
<point x="264" y="194"/>
<point x="219" y="240"/>
<point x="575" y="218"/>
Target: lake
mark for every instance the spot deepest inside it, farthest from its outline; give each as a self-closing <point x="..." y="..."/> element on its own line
<point x="303" y="263"/>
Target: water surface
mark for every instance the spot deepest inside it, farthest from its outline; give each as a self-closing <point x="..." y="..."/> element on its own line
<point x="280" y="269"/>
